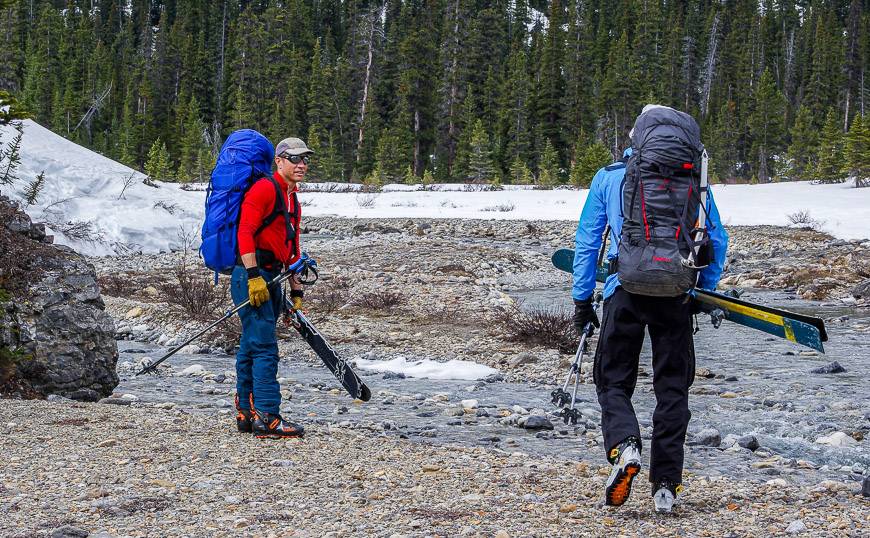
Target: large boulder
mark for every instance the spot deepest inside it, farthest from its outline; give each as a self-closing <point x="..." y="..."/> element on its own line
<point x="55" y="336"/>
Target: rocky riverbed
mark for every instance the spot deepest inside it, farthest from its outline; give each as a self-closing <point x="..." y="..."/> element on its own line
<point x="775" y="448"/>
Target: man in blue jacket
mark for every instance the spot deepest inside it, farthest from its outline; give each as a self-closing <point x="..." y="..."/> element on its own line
<point x="625" y="317"/>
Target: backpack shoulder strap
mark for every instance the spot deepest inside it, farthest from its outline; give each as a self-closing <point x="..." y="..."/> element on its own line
<point x="279" y="208"/>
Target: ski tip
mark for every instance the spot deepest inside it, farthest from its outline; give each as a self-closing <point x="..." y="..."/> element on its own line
<point x="365" y="394"/>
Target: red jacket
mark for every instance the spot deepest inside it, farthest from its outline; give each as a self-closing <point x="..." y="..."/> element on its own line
<point x="258" y="203"/>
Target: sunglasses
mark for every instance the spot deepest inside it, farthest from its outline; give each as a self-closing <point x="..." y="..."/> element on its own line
<point x="295" y="159"/>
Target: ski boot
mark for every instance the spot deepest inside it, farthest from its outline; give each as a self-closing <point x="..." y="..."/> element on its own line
<point x="269" y="426"/>
<point x="625" y="458"/>
<point x="243" y="418"/>
<point x="665" y="494"/>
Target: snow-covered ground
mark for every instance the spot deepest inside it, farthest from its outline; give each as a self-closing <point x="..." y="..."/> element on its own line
<point x="84" y="187"/>
<point x="454" y="369"/>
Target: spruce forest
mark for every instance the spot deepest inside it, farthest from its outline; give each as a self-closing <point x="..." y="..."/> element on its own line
<point x="519" y="91"/>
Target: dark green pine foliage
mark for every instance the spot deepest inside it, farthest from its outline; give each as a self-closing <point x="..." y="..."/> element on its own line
<point x="804" y="145"/>
<point x="856" y="153"/>
<point x="399" y="85"/>
<point x="766" y="125"/>
<point x="829" y="166"/>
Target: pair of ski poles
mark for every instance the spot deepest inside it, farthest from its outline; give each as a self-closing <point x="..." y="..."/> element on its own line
<point x="302" y="267"/>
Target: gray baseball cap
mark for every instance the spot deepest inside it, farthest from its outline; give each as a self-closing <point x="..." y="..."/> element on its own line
<point x="292" y="146"/>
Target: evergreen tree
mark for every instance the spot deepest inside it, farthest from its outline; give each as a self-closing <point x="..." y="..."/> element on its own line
<point x="10" y="157"/>
<point x="194" y="163"/>
<point x="33" y="190"/>
<point x="830" y="158"/>
<point x="480" y="165"/>
<point x="804" y="144"/>
<point x="856" y="153"/>
<point x="766" y="125"/>
<point x="619" y="94"/>
<point x="548" y="171"/>
<point x="520" y="174"/>
<point x="158" y="166"/>
<point x="595" y="156"/>
<point x="10" y="109"/>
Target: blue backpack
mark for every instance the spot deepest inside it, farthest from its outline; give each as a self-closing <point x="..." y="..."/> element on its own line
<point x="245" y="157"/>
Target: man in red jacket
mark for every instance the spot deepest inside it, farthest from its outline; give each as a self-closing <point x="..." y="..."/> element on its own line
<point x="268" y="241"/>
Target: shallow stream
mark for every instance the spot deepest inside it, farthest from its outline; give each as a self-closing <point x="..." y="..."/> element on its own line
<point x="761" y="386"/>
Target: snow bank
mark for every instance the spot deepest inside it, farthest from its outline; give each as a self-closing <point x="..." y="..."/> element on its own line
<point x="85" y="189"/>
<point x="451" y="370"/>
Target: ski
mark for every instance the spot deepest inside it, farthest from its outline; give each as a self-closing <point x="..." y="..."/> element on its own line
<point x="799" y="328"/>
<point x="338" y="366"/>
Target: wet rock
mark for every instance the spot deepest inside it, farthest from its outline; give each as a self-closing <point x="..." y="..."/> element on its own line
<point x="68" y="531"/>
<point x="836" y="439"/>
<point x="830" y="368"/>
<point x="865" y="486"/>
<point x="470" y="404"/>
<point x="112" y="400"/>
<point x="707" y="437"/>
<point x="193" y="370"/>
<point x="393" y="375"/>
<point x="862" y="290"/>
<point x="522" y="358"/>
<point x="536" y="422"/>
<point x="796" y="527"/>
<point x="705" y="373"/>
<point x="749" y="442"/>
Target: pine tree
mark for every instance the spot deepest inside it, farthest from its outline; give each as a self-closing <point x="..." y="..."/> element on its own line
<point x="34" y="189"/>
<point x="619" y="94"/>
<point x="548" y="171"/>
<point x="766" y="125"/>
<point x="410" y="178"/>
<point x="480" y="165"/>
<point x="10" y="158"/>
<point x="520" y="173"/>
<point x="830" y="159"/>
<point x="804" y="144"/>
<point x="856" y="153"/>
<point x="158" y="167"/>
<point x="428" y="178"/>
<point x="10" y="109"/>
<point x="393" y="157"/>
<point x="594" y="157"/>
<point x="195" y="152"/>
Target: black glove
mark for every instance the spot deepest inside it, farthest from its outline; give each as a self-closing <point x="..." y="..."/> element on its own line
<point x="584" y="313"/>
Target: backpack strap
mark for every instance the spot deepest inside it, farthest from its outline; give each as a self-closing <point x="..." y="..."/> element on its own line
<point x="280" y="209"/>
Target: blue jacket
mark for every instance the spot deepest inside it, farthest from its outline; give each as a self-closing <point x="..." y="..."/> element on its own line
<point x="604" y="206"/>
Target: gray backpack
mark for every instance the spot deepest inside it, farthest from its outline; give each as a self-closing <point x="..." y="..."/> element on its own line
<point x="663" y="242"/>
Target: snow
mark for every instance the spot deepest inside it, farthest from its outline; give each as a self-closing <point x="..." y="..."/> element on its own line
<point x="451" y="370"/>
<point x="83" y="186"/>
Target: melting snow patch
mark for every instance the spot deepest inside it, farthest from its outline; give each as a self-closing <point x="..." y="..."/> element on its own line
<point x="450" y="370"/>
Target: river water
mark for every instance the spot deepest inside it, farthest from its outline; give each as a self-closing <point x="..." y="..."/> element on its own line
<point x="762" y="387"/>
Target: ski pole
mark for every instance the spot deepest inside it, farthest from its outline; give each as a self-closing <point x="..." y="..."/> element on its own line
<point x="302" y="266"/>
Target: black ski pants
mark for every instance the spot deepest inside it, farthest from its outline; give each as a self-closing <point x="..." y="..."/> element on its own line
<point x="669" y="320"/>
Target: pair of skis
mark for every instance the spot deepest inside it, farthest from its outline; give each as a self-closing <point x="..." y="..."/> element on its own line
<point x="805" y="330"/>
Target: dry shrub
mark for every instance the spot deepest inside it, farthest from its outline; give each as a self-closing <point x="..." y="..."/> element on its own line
<point x="379" y="300"/>
<point x="117" y="285"/>
<point x="194" y="293"/>
<point x="548" y="327"/>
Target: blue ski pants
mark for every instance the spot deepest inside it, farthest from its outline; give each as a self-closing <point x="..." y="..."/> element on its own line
<point x="257" y="359"/>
